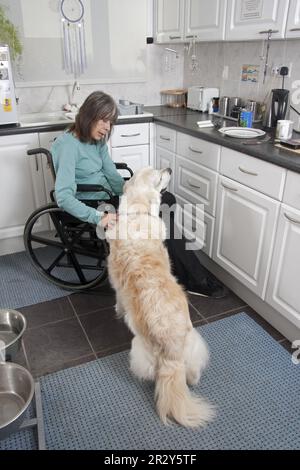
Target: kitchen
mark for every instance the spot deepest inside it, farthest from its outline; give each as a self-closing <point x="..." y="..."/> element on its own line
<point x="194" y="44"/>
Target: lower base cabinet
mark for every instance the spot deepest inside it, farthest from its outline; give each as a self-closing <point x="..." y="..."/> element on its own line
<point x="244" y="233"/>
<point x="283" y="287"/>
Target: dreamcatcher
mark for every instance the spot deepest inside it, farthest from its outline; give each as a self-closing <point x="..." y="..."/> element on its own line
<point x="74" y="48"/>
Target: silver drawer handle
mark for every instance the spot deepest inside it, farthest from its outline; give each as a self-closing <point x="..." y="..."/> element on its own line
<point x="247" y="172"/>
<point x="175" y="37"/>
<point x="191" y="36"/>
<point x="295" y="29"/>
<point x="193" y="185"/>
<point x="130" y="135"/>
<point x="228" y="187"/>
<point x="164" y="138"/>
<point x="269" y="31"/>
<point x="294" y="221"/>
<point x="194" y="150"/>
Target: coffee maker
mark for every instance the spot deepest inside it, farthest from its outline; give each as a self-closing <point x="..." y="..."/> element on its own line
<point x="277" y="107"/>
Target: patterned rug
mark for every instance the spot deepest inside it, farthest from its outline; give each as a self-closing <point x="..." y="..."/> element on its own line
<point x="251" y="379"/>
<point x="22" y="285"/>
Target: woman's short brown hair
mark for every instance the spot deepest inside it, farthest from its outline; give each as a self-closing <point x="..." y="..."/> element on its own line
<point x="98" y="105"/>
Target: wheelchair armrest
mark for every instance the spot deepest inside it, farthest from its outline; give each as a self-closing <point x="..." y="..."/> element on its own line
<point x="93" y="188"/>
<point x="123" y="166"/>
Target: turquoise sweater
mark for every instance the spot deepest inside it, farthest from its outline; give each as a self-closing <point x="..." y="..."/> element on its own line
<point x="82" y="163"/>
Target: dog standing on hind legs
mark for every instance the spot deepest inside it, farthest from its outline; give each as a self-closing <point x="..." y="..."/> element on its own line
<point x="165" y="348"/>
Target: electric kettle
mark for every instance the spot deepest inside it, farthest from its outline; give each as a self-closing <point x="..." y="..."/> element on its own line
<point x="277" y="107"/>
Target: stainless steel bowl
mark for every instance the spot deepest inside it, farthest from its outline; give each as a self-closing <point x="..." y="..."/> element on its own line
<point x="16" y="393"/>
<point x="12" y="327"/>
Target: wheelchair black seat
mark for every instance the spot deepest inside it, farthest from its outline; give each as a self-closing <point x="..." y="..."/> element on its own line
<point x="64" y="249"/>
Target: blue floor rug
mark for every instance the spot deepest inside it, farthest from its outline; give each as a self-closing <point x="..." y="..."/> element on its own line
<point x="22" y="285"/>
<point x="251" y="379"/>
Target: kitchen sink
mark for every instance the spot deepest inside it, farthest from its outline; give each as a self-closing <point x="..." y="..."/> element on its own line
<point x="40" y="119"/>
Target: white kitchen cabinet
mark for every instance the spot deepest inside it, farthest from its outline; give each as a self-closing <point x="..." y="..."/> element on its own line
<point x="129" y="144"/>
<point x="293" y="21"/>
<point x="21" y="188"/>
<point x="166" y="159"/>
<point x="181" y="20"/>
<point x="168" y="20"/>
<point x="283" y="286"/>
<point x="205" y="20"/>
<point x="252" y="19"/>
<point x="244" y="233"/>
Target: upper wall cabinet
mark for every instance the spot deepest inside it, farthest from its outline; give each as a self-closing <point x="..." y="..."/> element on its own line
<point x="205" y="20"/>
<point x="181" y="20"/>
<point x="252" y="19"/>
<point x="293" y="22"/>
<point x="169" y="20"/>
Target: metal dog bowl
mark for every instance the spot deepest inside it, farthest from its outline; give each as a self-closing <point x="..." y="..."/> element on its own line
<point x="16" y="393"/>
<point x="12" y="327"/>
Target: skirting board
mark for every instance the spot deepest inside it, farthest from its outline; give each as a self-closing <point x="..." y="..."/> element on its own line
<point x="276" y="319"/>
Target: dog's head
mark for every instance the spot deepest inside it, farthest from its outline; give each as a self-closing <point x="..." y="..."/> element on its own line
<point x="149" y="180"/>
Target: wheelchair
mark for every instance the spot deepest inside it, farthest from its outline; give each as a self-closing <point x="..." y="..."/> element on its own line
<point x="65" y="250"/>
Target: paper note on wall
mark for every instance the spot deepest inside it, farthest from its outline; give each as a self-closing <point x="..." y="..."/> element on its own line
<point x="251" y="9"/>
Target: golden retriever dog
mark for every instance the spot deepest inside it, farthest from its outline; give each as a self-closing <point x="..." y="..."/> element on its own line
<point x="165" y="348"/>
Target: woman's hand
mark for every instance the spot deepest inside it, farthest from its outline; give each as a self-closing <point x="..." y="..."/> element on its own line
<point x="109" y="220"/>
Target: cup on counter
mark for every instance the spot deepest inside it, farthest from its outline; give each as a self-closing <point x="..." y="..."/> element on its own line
<point x="284" y="129"/>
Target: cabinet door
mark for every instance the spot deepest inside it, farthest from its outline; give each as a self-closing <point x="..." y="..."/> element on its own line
<point x="169" y="20"/>
<point x="198" y="227"/>
<point x="293" y="22"/>
<point x="250" y="19"/>
<point x="204" y="19"/>
<point x="283" y="287"/>
<point x="136" y="157"/>
<point x="21" y="183"/>
<point x="244" y="234"/>
<point x="165" y="159"/>
<point x="46" y="140"/>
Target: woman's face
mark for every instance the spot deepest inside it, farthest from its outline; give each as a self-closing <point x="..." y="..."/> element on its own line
<point x="100" y="129"/>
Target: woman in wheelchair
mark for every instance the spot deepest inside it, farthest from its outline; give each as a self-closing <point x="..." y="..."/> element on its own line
<point x="80" y="157"/>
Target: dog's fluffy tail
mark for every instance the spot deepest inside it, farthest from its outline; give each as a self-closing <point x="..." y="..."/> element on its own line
<point x="174" y="399"/>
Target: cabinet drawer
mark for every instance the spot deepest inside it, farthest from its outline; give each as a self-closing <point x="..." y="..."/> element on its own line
<point x="130" y="134"/>
<point x="291" y="195"/>
<point x="135" y="157"/>
<point x="166" y="138"/>
<point x="257" y="174"/>
<point x="199" y="150"/>
<point x="199" y="233"/>
<point x="195" y="183"/>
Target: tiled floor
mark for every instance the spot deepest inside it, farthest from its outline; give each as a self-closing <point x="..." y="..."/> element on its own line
<point x="82" y="327"/>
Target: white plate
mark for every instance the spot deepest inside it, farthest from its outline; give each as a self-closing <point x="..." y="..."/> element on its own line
<point x="242" y="132"/>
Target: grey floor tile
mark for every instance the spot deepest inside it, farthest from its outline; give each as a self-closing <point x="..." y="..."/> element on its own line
<point x="47" y="312"/>
<point x="50" y="346"/>
<point x="66" y="365"/>
<point x="208" y="307"/>
<point x="105" y="331"/>
<point x="92" y="301"/>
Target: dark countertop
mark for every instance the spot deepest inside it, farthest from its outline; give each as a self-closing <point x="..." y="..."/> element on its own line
<point x="185" y="120"/>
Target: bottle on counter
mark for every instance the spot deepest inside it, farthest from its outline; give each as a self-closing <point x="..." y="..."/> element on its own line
<point x="245" y="118"/>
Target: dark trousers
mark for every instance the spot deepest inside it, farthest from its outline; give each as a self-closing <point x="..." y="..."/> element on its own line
<point x="185" y="263"/>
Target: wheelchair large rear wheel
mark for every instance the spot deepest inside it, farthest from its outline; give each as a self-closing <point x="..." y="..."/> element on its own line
<point x="64" y="250"/>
